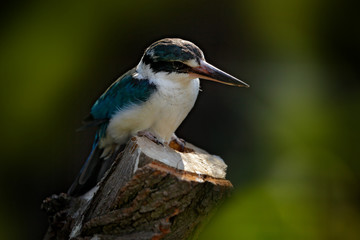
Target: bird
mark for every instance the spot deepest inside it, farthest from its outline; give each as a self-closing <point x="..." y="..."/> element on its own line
<point x="150" y="100"/>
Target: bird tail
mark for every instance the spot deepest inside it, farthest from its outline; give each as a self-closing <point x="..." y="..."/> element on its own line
<point x="88" y="176"/>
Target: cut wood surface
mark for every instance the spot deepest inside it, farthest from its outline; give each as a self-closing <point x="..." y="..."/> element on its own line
<point x="150" y="192"/>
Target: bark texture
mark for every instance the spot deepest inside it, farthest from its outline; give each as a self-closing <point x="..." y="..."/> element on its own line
<point x="150" y="192"/>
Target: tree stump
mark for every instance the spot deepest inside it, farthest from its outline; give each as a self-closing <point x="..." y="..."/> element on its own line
<point x="150" y="192"/>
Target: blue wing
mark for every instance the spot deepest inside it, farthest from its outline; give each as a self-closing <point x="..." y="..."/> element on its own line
<point x="126" y="90"/>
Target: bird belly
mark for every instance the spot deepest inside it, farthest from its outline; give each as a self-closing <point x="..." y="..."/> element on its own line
<point x="127" y="122"/>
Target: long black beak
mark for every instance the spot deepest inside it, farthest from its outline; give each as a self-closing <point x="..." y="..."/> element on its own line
<point x="209" y="72"/>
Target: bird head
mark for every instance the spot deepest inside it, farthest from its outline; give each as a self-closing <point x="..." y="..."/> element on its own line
<point x="181" y="60"/>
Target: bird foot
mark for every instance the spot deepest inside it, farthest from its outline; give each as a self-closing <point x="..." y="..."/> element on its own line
<point x="177" y="144"/>
<point x="150" y="136"/>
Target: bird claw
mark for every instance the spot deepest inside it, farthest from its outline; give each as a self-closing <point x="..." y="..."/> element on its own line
<point x="177" y="144"/>
<point x="150" y="136"/>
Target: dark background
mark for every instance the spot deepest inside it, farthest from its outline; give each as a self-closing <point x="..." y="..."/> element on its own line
<point x="291" y="141"/>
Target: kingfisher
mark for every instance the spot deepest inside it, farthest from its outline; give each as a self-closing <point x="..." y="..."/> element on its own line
<point x="150" y="100"/>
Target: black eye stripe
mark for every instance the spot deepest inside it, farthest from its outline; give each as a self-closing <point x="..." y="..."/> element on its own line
<point x="166" y="66"/>
<point x="171" y="66"/>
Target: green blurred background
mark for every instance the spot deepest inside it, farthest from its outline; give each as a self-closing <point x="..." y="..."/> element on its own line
<point x="291" y="141"/>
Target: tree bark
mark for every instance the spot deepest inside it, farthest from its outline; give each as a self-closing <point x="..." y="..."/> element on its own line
<point x="150" y="192"/>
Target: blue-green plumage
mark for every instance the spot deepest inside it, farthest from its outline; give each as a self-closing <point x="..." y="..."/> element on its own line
<point x="123" y="92"/>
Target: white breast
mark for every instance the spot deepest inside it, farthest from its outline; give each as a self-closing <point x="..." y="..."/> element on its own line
<point x="172" y="103"/>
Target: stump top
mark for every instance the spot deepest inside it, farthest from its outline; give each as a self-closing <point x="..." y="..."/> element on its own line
<point x="197" y="161"/>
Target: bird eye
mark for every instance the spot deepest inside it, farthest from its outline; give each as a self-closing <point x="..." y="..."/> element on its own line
<point x="179" y="65"/>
